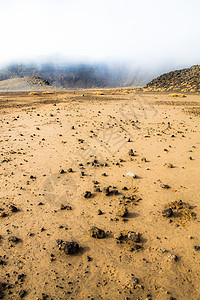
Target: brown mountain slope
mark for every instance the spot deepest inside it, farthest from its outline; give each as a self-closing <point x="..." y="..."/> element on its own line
<point x="185" y="80"/>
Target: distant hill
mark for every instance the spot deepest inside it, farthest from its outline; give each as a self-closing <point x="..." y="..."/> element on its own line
<point x="185" y="80"/>
<point x="32" y="83"/>
<point x="79" y="75"/>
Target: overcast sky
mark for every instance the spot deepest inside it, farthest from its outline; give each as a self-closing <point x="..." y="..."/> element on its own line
<point x="141" y="32"/>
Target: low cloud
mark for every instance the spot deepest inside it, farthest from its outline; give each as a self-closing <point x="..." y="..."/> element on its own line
<point x="141" y="33"/>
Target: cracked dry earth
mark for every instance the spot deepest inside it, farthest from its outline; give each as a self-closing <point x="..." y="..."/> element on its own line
<point x="99" y="196"/>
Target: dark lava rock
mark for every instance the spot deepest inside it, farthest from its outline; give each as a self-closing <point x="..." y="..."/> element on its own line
<point x="21" y="277"/>
<point x="122" y="211"/>
<point x="130" y="152"/>
<point x="22" y="294"/>
<point x="2" y="289"/>
<point x="97" y="189"/>
<point x="97" y="233"/>
<point x="13" y="239"/>
<point x="135" y="247"/>
<point x="68" y="247"/>
<point x="80" y="141"/>
<point x="115" y="192"/>
<point x="71" y="247"/>
<point x="106" y="190"/>
<point x="2" y="263"/>
<point x="134" y="236"/>
<point x="89" y="258"/>
<point x="130" y="238"/>
<point x="143" y="159"/>
<point x="135" y="280"/>
<point x="164" y="186"/>
<point x="87" y="194"/>
<point x="44" y="296"/>
<point x="59" y="242"/>
<point x="197" y="248"/>
<point x="63" y="207"/>
<point x="167" y="212"/>
<point x="62" y="171"/>
<point x="3" y="215"/>
<point x="174" y="257"/>
<point x="13" y="208"/>
<point x="95" y="182"/>
<point x="100" y="212"/>
<point x="125" y="188"/>
<point x="169" y="165"/>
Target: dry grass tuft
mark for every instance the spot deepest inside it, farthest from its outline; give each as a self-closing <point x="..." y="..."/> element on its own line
<point x="33" y="93"/>
<point x="177" y="95"/>
<point x="47" y="93"/>
<point x="98" y="93"/>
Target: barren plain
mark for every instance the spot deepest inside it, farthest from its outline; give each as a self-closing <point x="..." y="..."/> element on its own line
<point x="99" y="195"/>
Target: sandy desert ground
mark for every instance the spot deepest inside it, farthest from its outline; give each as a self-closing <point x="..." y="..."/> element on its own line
<point x="67" y="170"/>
